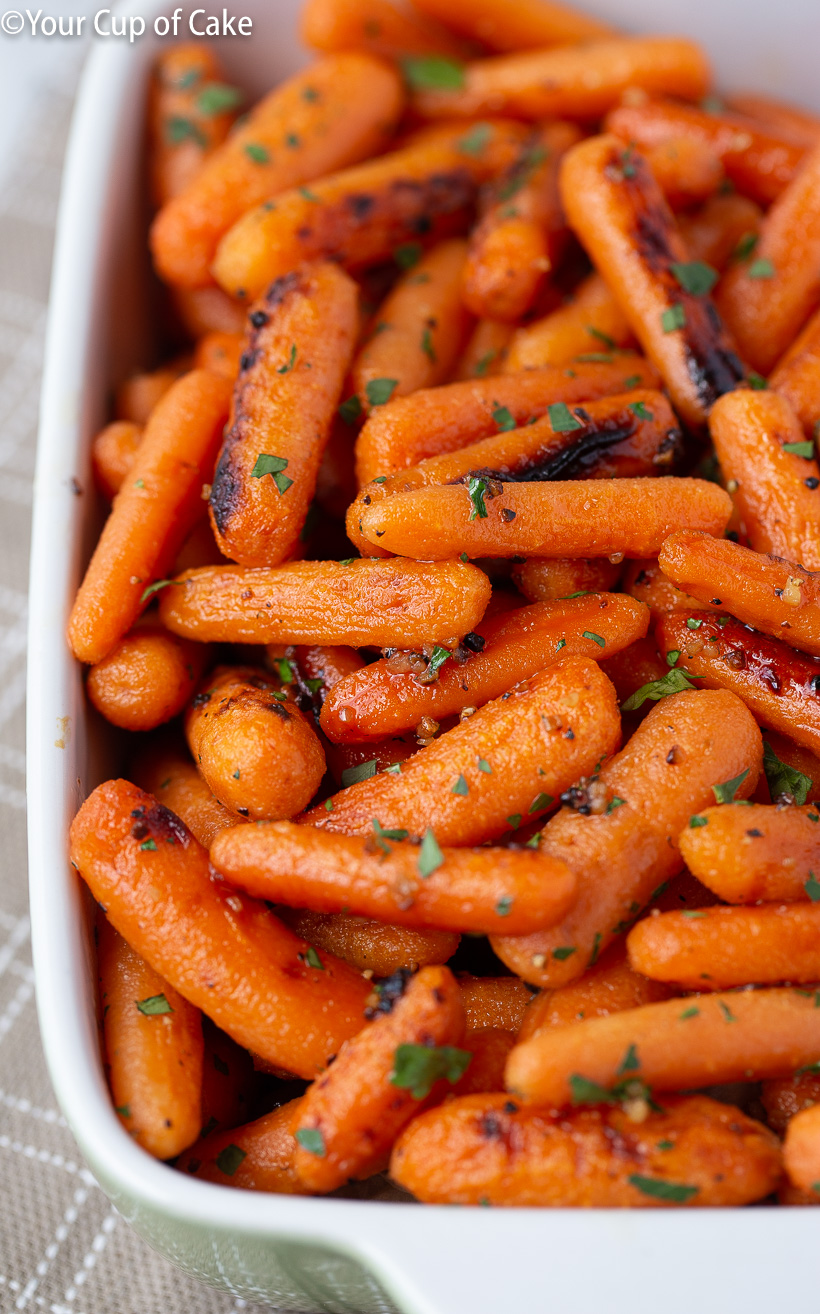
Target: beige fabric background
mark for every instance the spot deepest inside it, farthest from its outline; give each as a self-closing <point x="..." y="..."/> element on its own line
<point x="63" y="1248"/>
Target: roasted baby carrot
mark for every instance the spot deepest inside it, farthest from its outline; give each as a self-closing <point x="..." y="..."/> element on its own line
<point x="490" y="1048"/>
<point x="258" y="753"/>
<point x="224" y="953"/>
<point x="375" y="948"/>
<point x="440" y="420"/>
<point x="146" y="678"/>
<point x="633" y="667"/>
<point x="797" y="374"/>
<point x="190" y="112"/>
<point x="220" y="353"/>
<point x="772" y="473"/>
<point x="619" y="829"/>
<point x="529" y="25"/>
<point x="685" y="169"/>
<point x="619" y="214"/>
<point x="474" y="890"/>
<point x="783" y="1097"/>
<point x="760" y="162"/>
<point x="380" y="699"/>
<point x="137" y="396"/>
<point x="380" y="603"/>
<point x="207" y="310"/>
<point x="573" y="82"/>
<point x="646" y="581"/>
<point x="757" y="852"/>
<point x="591" y="323"/>
<point x="320" y="667"/>
<point x="420" y="329"/>
<point x="327" y="117"/>
<point x="714" y="232"/>
<point x="801" y="1151"/>
<point x="153" y="1049"/>
<point x="297" y="351"/>
<point x="588" y="518"/>
<point x="384" y="29"/>
<point x="776" y="115"/>
<point x="154" y="512"/>
<point x="255" y="1157"/>
<point x="362" y="215"/>
<point x="542" y="580"/>
<point x="351" y="1115"/>
<point x="493" y="1001"/>
<point x="165" y="770"/>
<point x="487" y="1149"/>
<point x="112" y="455"/>
<point x="765" y="591"/>
<point x="677" y="1044"/>
<point x="227" y="1080"/>
<point x="484" y="353"/>
<point x="780" y="686"/>
<point x="508" y="761"/>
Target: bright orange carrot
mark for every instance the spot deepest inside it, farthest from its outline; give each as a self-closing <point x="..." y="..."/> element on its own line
<point x="801" y="1151"/>
<point x="515" y="755"/>
<point x="327" y="117"/>
<point x="484" y="353"/>
<point x="590" y="324"/>
<point x="542" y="580"/>
<point x="619" y="829"/>
<point x="207" y="310"/>
<point x="223" y="952"/>
<point x="154" y="512"/>
<point x="112" y="455"/>
<point x="759" y="852"/>
<point x="783" y="1097"/>
<point x="714" y="232"/>
<point x="490" y="1048"/>
<point x="493" y="1001"/>
<point x="796" y="376"/>
<point x="646" y="581"/>
<point x="384" y="29"/>
<point x="633" y="667"/>
<point x="530" y="25"/>
<point x="137" y="396"/>
<point x="220" y="353"/>
<point x="256" y="1157"/>
<point x="190" y="112"/>
<point x="686" y="170"/>
<point x="165" y="770"/>
<point x="146" y="678"/>
<point x="375" y="948"/>
<point x="347" y="761"/>
<point x="153" y="1049"/>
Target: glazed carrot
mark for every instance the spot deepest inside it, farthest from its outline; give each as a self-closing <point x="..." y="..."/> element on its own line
<point x="227" y="1080"/>
<point x="375" y="948"/>
<point x="760" y="162"/>
<point x="166" y="771"/>
<point x="471" y="890"/>
<point x="484" y="353"/>
<point x="619" y="830"/>
<point x="146" y="678"/>
<point x="349" y="1118"/>
<point x="199" y="548"/>
<point x="490" y="1048"/>
<point x="588" y="518"/>
<point x="258" y="753"/>
<point x="390" y="31"/>
<point x="522" y="233"/>
<point x="634" y="433"/>
<point x="112" y="454"/>
<point x="153" y="1049"/>
<point x="685" y="169"/>
<point x="542" y="580"/>
<point x="378" y="603"/>
<point x="796" y="375"/>
<point x="714" y="232"/>
<point x="515" y="756"/>
<point x="488" y="1149"/>
<point x="765" y="591"/>
<point x="436" y="421"/>
<point x="801" y="1151"/>
<point x="646" y="581"/>
<point x="223" y="953"/>
<point x="190" y="112"/>
<point x="493" y="1001"/>
<point x="678" y="1044"/>
<point x="420" y="330"/>
<point x="220" y="353"/>
<point x="137" y="396"/>
<point x="632" y="668"/>
<point x="207" y="310"/>
<point x="772" y="472"/>
<point x="729" y="946"/>
<point x="153" y="514"/>
<point x="778" y="685"/>
<point x="362" y="215"/>
<point x="590" y="324"/>
<point x="619" y="214"/>
<point x="776" y="116"/>
<point x="580" y="82"/>
<point x="767" y="300"/>
<point x="783" y="1097"/>
<point x="297" y="350"/>
<point x="338" y="111"/>
<point x="382" y="700"/>
<point x="529" y="25"/>
<point x="256" y="1157"/>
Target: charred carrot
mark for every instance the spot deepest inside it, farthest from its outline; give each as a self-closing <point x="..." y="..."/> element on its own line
<point x="190" y="112"/>
<point x="146" y="678"/>
<point x="166" y="771"/>
<point x="531" y="25"/>
<point x="375" y="948"/>
<point x="112" y="455"/>
<point x="255" y="1157"/>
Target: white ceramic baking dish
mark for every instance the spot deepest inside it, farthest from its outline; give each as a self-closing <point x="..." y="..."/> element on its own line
<point x="338" y="1256"/>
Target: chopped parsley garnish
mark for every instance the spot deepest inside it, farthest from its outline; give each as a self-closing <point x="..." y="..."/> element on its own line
<point x="229" y="1159"/>
<point x="725" y="793"/>
<point x="564" y="952"/>
<point x="483" y="765"/>
<point x="784" y="779"/>
<point x="417" y="1068"/>
<point x="379" y="391"/>
<point x="484" y="362"/>
<point x="562" y="418"/>
<point x="312" y="1140"/>
<point x="805" y="449"/>
<point x="503" y="419"/>
<point x="438" y="657"/>
<point x="761" y="268"/>
<point x="675" y="681"/>
<point x="745" y="246"/>
<point x="383" y="834"/>
<point x="694" y="276"/>
<point x="476" y="141"/>
<point x="430" y="855"/>
<point x="427" y="346"/>
<point x="639" y="408"/>
<point x="217" y="97"/>
<point x="124" y="1110"/>
<point x="285" y="668"/>
<point x="756" y="381"/>
<point x="632" y="382"/>
<point x="313" y="960"/>
<point x="614" y="803"/>
<point x="408" y="254"/>
<point x="433" y="73"/>
<point x="477" y="488"/>
<point x="688" y="1013"/>
<point x="354" y="774"/>
<point x="659" y="1189"/>
<point x="596" y="638"/>
<point x="674" y="317"/>
<point x="812" y="888"/>
<point x="601" y="336"/>
<point x="504" y="905"/>
<point x="460" y="787"/>
<point x="728" y="1015"/>
<point x="266" y="464"/>
<point x="514" y="820"/>
<point x="672" y="656"/>
<point x="350" y="410"/>
<point x="540" y="802"/>
<point x="154" y="1006"/>
<point x="155" y="588"/>
<point x="150" y="845"/>
<point x="630" y="1062"/>
<point x="259" y="154"/>
<point x="696" y="821"/>
<point x="179" y="129"/>
<point x="290" y="362"/>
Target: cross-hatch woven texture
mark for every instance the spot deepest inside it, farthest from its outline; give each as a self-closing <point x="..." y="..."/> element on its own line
<point x="63" y="1248"/>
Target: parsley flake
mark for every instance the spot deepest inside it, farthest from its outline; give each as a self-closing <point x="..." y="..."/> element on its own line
<point x="805" y="449"/>
<point x="417" y="1068"/>
<point x="379" y="391"/>
<point x="540" y="802"/>
<point x="266" y="464"/>
<point x="290" y="362"/>
<point x="639" y="408"/>
<point x="756" y="381"/>
<point x="350" y="410"/>
<point x="259" y="154"/>
<point x="504" y="419"/>
<point x="688" y="1013"/>
<point x="694" y="276"/>
<point x="674" y="317"/>
<point x="438" y="657"/>
<point x="564" y="952"/>
<point x="675" y="681"/>
<point x="562" y="418"/>
<point x="154" y="1006"/>
<point x="761" y="268"/>
<point x="695" y="822"/>
<point x="745" y="246"/>
<point x="596" y="638"/>
<point x="630" y="1061"/>
<point x="675" y="1192"/>
<point x="408" y="254"/>
<point x="477" y="488"/>
<point x="155" y="588"/>
<point x="313" y="960"/>
<point x="353" y="775"/>
<point x="150" y="845"/>
<point x="504" y="905"/>
<point x="460" y="787"/>
<point x="784" y="779"/>
<point x="614" y="803"/>
<point x="427" y="346"/>
<point x="433" y="73"/>
<point x="728" y="1015"/>
<point x="217" y="97"/>
<point x="476" y="140"/>
<point x="229" y="1159"/>
<point x="312" y="1140"/>
<point x="430" y="855"/>
<point x="601" y="336"/>
<point x="725" y="793"/>
<point x="812" y="888"/>
<point x="483" y="765"/>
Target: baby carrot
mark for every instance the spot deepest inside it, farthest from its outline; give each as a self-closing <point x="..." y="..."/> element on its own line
<point x="490" y="1048"/>
<point x="483" y="355"/>
<point x="436" y="421"/>
<point x="646" y="581"/>
<point x="112" y="455"/>
<point x="619" y="830"/>
<point x="714" y="232"/>
<point x="685" y="169"/>
<point x="494" y="1001"/>
<point x="224" y="953"/>
<point x="572" y="82"/>
<point x="529" y="25"/>
<point x="778" y="685"/>
<point x="166" y="771"/>
<point x="146" y="678"/>
<point x="375" y="948"/>
<point x="632" y="668"/>
<point x="486" y="1149"/>
<point x="783" y="1097"/>
<point x="153" y="1049"/>
<point x="801" y="1151"/>
<point x="153" y="514"/>
<point x="476" y="890"/>
<point x="362" y="215"/>
<point x="190" y="112"/>
<point x="207" y="310"/>
<point x="591" y="323"/>
<point x="728" y="947"/>
<point x="796" y="376"/>
<point x="776" y="116"/>
<point x="543" y="580"/>
<point x="137" y="396"/>
<point x="384" y="29"/>
<point x="227" y="1080"/>
<point x="383" y="604"/>
<point x="380" y="700"/>
<point x="677" y="1044"/>
<point x="219" y="352"/>
<point x="757" y="852"/>
<point x="619" y="214"/>
<point x="299" y="344"/>
<point x="587" y="518"/>
<point x="508" y="761"/>
<point x="765" y="591"/>
<point x="329" y="116"/>
<point x="255" y="1157"/>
